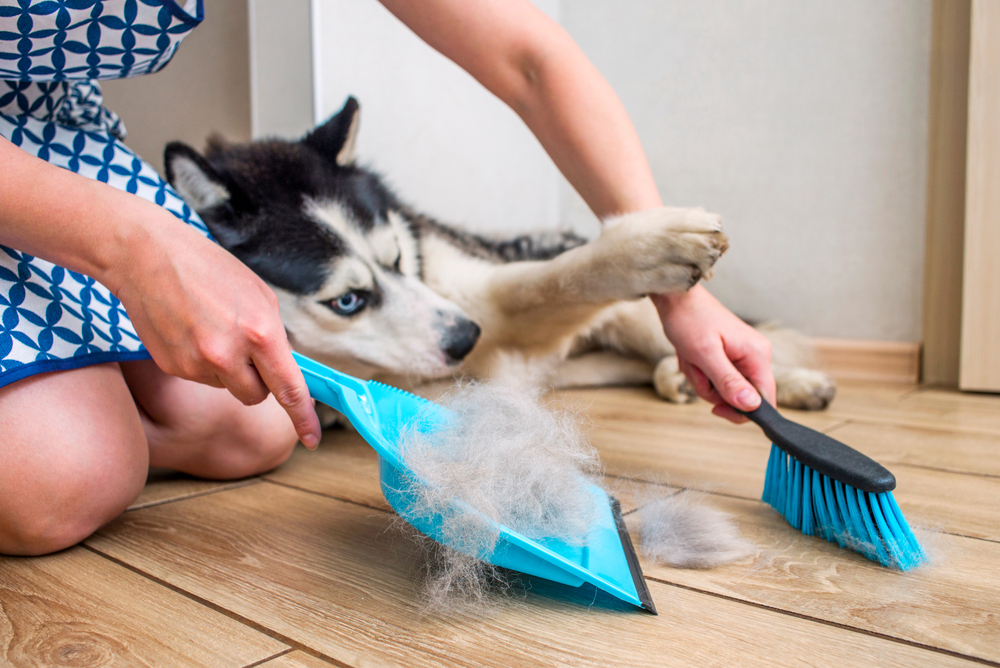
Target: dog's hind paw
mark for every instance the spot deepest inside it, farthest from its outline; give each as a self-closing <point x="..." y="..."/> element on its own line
<point x="804" y="389"/>
<point x="670" y="384"/>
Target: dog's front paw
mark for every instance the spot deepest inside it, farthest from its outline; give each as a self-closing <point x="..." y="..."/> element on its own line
<point x="664" y="250"/>
<point x="804" y="389"/>
<point x="670" y="383"/>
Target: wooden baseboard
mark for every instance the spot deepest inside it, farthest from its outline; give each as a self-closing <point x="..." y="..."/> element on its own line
<point x="881" y="361"/>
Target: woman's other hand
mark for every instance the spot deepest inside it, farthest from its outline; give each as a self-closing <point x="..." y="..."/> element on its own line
<point x="726" y="361"/>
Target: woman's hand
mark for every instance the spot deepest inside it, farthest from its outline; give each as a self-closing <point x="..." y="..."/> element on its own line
<point x="726" y="360"/>
<point x="200" y="312"/>
<point x="204" y="316"/>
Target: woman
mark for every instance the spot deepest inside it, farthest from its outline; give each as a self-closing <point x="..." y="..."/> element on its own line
<point x="198" y="375"/>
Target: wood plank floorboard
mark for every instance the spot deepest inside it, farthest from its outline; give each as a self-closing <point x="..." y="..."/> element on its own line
<point x="329" y="575"/>
<point x="949" y="399"/>
<point x="967" y="505"/>
<point x="934" y="448"/>
<point x="924" y="408"/>
<point x="344" y="467"/>
<point x="300" y="569"/>
<point x="950" y="603"/>
<point x="641" y="405"/>
<point x="166" y="486"/>
<point x="76" y="608"/>
<point x="296" y="659"/>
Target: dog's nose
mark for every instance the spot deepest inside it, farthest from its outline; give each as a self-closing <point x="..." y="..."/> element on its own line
<point x="459" y="339"/>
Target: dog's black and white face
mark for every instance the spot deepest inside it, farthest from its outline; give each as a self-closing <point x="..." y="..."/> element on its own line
<point x="328" y="236"/>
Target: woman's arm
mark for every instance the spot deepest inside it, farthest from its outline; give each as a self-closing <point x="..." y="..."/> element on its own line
<point x="532" y="64"/>
<point x="528" y="61"/>
<point x="200" y="312"/>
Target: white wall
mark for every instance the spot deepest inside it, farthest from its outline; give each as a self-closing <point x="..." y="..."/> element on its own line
<point x="204" y="89"/>
<point x="803" y="123"/>
<point x="446" y="145"/>
<point x="281" y="72"/>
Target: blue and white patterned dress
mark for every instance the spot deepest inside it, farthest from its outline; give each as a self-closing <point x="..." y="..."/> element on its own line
<point x="51" y="53"/>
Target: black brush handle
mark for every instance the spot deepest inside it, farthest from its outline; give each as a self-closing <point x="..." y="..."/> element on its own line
<point x="821" y="453"/>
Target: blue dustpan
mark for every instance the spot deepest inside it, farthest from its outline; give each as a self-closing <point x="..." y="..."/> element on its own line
<point x="380" y="413"/>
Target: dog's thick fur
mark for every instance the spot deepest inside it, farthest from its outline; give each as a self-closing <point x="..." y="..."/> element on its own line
<point x="372" y="287"/>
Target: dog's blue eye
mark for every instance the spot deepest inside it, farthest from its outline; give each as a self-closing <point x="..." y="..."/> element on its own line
<point x="348" y="303"/>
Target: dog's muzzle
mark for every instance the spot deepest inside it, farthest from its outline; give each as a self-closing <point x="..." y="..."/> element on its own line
<point x="458" y="340"/>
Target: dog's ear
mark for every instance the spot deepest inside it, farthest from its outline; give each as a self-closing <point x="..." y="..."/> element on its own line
<point x="207" y="192"/>
<point x="336" y="138"/>
<point x="193" y="178"/>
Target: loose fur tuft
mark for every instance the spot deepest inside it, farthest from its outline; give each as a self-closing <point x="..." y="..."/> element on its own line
<point x="513" y="462"/>
<point x="683" y="532"/>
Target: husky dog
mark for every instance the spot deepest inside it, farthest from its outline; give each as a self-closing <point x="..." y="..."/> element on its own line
<point x="370" y="286"/>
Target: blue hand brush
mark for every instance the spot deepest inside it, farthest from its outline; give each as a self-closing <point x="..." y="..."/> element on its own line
<point x="826" y="488"/>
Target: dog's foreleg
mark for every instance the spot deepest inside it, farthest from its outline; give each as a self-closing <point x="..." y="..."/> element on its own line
<point x="656" y="251"/>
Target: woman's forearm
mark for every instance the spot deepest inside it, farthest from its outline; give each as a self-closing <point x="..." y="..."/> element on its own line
<point x="201" y="314"/>
<point x="76" y="222"/>
<point x="584" y="127"/>
<point x="532" y="64"/>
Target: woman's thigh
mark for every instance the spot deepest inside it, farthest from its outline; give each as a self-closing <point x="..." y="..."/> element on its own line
<point x="205" y="431"/>
<point x="73" y="456"/>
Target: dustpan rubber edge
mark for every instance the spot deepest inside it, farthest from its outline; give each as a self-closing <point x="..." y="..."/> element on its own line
<point x="630" y="556"/>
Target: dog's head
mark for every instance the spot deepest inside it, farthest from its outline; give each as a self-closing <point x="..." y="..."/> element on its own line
<point x="330" y="238"/>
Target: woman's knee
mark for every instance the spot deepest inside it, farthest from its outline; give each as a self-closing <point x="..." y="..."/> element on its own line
<point x="62" y="515"/>
<point x="226" y="441"/>
<point x="58" y="500"/>
<point x="205" y="431"/>
<point x="255" y="440"/>
<point x="74" y="457"/>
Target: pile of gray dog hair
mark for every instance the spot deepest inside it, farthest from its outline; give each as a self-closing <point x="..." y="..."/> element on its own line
<point x="522" y="464"/>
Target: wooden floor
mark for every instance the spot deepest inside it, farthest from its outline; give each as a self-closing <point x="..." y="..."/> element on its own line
<point x="297" y="568"/>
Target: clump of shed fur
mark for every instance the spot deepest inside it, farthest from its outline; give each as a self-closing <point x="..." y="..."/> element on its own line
<point x="684" y="532"/>
<point x="512" y="461"/>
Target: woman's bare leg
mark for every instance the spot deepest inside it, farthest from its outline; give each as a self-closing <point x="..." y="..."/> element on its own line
<point x="73" y="455"/>
<point x="206" y="431"/>
<point x="77" y="446"/>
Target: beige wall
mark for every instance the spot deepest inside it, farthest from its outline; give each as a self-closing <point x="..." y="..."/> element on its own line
<point x="204" y="89"/>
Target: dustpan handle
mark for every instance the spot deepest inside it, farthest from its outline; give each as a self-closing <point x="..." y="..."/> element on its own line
<point x="334" y="388"/>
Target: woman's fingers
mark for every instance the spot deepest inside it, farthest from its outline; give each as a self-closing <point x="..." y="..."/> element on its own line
<point x="731" y="385"/>
<point x="726" y="411"/>
<point x="702" y="385"/>
<point x="757" y="369"/>
<point x="244" y="383"/>
<point x="279" y="371"/>
<point x="706" y="390"/>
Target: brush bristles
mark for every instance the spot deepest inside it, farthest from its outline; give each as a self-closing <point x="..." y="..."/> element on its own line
<point x="868" y="523"/>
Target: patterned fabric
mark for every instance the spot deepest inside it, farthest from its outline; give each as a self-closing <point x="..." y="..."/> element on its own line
<point x="51" y="318"/>
<point x="76" y="104"/>
<point x="65" y="40"/>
